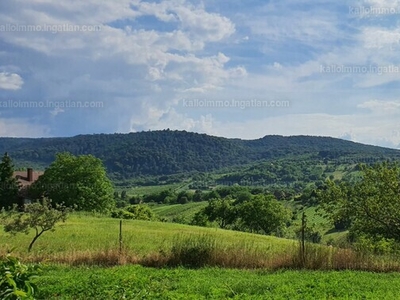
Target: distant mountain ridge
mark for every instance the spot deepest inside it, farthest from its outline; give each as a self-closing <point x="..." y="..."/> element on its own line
<point x="170" y="152"/>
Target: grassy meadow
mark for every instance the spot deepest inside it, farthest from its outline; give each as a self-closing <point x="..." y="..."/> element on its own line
<point x="81" y="260"/>
<point x="84" y="236"/>
<point x="137" y="282"/>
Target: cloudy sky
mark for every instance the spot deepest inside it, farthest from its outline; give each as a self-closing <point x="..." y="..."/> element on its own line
<point x="228" y="68"/>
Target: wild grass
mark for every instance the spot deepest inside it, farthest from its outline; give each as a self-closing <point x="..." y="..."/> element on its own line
<point x="95" y="237"/>
<point x="91" y="240"/>
<point x="137" y="282"/>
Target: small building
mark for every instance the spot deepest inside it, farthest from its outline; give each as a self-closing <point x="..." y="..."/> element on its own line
<point x="25" y="180"/>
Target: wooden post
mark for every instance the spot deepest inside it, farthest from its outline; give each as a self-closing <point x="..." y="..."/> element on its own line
<point x="120" y="237"/>
<point x="303" y="238"/>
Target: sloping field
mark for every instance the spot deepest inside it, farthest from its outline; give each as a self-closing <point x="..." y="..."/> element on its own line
<point x="186" y="211"/>
<point x="85" y="233"/>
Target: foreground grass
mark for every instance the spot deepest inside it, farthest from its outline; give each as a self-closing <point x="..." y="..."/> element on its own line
<point x="136" y="282"/>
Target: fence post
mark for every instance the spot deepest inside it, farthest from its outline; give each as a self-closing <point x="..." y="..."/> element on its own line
<point x="120" y="237"/>
<point x="303" y="239"/>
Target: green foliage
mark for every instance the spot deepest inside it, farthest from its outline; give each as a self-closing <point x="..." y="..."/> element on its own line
<point x="39" y="216"/>
<point x="221" y="211"/>
<point x="9" y="186"/>
<point x="16" y="279"/>
<point x="122" y="214"/>
<point x="136" y="212"/>
<point x="76" y="181"/>
<point x="311" y="234"/>
<point x="200" y="219"/>
<point x="264" y="214"/>
<point x="158" y="153"/>
<point x="371" y="205"/>
<point x="376" y="245"/>
<point x="258" y="214"/>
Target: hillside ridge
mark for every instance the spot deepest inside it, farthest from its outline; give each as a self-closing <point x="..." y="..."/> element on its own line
<point x="166" y="152"/>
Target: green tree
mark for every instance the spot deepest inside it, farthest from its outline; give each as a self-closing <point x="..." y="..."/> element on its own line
<point x="264" y="214"/>
<point x="334" y="200"/>
<point x="40" y="216"/>
<point x="221" y="211"/>
<point x="372" y="204"/>
<point x="198" y="196"/>
<point x="76" y="181"/>
<point x="9" y="186"/>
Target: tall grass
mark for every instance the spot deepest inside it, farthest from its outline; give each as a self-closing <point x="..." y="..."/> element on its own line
<point x="89" y="240"/>
<point x="205" y="251"/>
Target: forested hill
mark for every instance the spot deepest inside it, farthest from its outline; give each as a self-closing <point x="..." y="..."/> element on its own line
<point x="170" y="152"/>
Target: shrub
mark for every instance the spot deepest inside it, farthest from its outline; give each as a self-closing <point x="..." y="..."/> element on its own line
<point x="15" y="279"/>
<point x="377" y="245"/>
<point x="137" y="212"/>
<point x="122" y="214"/>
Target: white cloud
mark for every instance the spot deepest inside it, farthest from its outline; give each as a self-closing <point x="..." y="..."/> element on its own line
<point x="383" y="3"/>
<point x="21" y="128"/>
<point x="56" y="111"/>
<point x="314" y="27"/>
<point x="156" y="50"/>
<point x="381" y="107"/>
<point x="170" y="118"/>
<point x="10" y="81"/>
<point x="360" y="128"/>
<point x="379" y="38"/>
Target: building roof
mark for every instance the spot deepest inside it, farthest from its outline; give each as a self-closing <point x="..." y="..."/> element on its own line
<point x="22" y="177"/>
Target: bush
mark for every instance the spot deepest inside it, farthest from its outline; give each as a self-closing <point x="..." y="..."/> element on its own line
<point x="15" y="279"/>
<point x="137" y="212"/>
<point x="122" y="214"/>
<point x="377" y="245"/>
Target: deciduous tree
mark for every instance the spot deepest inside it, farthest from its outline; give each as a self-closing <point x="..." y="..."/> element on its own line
<point x="76" y="181"/>
<point x="264" y="214"/>
<point x="39" y="216"/>
<point x="372" y="204"/>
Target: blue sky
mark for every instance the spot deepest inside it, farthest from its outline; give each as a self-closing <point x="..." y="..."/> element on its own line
<point x="240" y="69"/>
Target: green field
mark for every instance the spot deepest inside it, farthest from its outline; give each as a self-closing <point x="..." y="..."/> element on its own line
<point x="152" y="189"/>
<point x="88" y="234"/>
<point x="183" y="211"/>
<point x="136" y="282"/>
<point x="80" y="260"/>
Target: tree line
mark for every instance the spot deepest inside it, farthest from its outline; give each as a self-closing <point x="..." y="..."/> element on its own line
<point x="167" y="152"/>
